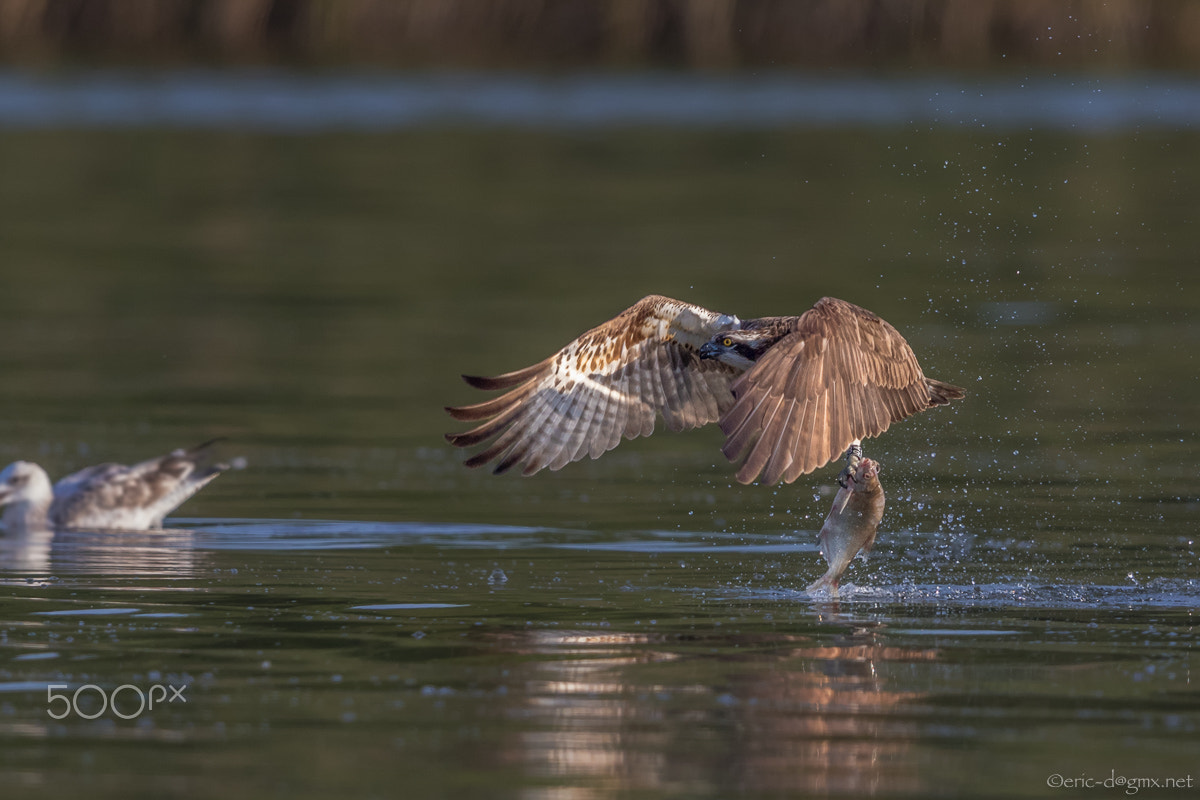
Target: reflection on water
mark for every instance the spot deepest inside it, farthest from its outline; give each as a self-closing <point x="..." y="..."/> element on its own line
<point x="133" y="553"/>
<point x="168" y="552"/>
<point x="594" y="673"/>
<point x="26" y="551"/>
<point x="829" y="723"/>
<point x="784" y="717"/>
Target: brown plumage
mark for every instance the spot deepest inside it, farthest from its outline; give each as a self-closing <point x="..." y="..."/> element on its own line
<point x="791" y="393"/>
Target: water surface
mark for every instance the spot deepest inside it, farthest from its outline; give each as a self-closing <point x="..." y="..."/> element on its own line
<point x="356" y="614"/>
<point x="290" y="102"/>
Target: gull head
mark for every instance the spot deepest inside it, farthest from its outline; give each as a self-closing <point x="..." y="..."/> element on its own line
<point x="23" y="483"/>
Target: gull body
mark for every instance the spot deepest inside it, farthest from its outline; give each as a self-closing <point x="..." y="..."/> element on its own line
<point x="106" y="496"/>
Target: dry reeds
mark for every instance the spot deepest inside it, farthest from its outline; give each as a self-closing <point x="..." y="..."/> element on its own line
<point x="698" y="33"/>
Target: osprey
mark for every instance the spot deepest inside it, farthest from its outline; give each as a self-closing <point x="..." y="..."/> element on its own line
<point x="106" y="496"/>
<point x="790" y="393"/>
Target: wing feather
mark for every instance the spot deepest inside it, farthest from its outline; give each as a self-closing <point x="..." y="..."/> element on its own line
<point x="606" y="385"/>
<point x="853" y="374"/>
<point x="531" y="409"/>
<point x="778" y="439"/>
<point x="819" y="441"/>
<point x="506" y="380"/>
<point x="641" y="412"/>
<point x="760" y="450"/>
<point x="491" y="427"/>
<point x="670" y="389"/>
<point x="550" y="445"/>
<point x="618" y="418"/>
<point x="512" y="446"/>
<point x="712" y="408"/>
<point x="737" y="440"/>
<point x="538" y="445"/>
<point x="593" y="408"/>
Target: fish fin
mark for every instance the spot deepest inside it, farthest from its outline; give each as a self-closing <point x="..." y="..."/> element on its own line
<point x="827" y="581"/>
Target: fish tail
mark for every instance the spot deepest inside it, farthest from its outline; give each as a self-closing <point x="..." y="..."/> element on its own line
<point x="827" y="581"/>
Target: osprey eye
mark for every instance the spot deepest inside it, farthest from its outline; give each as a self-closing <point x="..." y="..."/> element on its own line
<point x="727" y="342"/>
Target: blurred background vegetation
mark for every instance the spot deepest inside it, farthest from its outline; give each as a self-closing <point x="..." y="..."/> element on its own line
<point x="618" y="33"/>
<point x="312" y="290"/>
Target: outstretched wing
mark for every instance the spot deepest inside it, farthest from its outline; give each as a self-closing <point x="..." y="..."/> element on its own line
<point x="607" y="384"/>
<point x="842" y="374"/>
<point x="131" y="498"/>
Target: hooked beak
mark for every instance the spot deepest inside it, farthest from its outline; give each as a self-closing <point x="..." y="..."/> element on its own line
<point x="709" y="350"/>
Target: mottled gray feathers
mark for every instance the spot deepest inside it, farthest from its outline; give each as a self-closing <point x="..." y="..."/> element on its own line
<point x="134" y="497"/>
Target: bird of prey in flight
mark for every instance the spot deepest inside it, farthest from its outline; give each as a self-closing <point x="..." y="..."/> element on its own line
<point x="791" y="394"/>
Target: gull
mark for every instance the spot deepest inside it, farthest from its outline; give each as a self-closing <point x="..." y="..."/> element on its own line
<point x="106" y="496"/>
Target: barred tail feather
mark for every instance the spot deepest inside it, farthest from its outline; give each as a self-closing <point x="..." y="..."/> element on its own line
<point x="507" y="379"/>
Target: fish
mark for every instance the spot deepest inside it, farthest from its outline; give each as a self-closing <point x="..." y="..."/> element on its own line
<point x="852" y="522"/>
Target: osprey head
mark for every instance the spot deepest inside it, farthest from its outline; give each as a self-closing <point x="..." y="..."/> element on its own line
<point x="736" y="348"/>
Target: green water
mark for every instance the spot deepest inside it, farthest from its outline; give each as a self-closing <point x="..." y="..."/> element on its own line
<point x="632" y="626"/>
